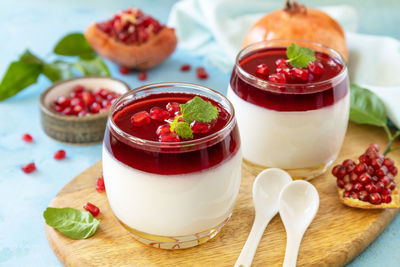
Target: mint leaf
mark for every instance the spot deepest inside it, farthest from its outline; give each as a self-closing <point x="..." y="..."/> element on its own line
<point x="183" y="130"/>
<point x="366" y="107"/>
<point x="92" y="66"/>
<point x="173" y="123"/>
<point x="73" y="44"/>
<point x="73" y="223"/>
<point x="197" y="109"/>
<point x="299" y="56"/>
<point x="18" y="76"/>
<point x="58" y="70"/>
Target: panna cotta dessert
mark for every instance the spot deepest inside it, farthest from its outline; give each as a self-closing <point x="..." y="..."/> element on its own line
<point x="292" y="105"/>
<point x="172" y="163"/>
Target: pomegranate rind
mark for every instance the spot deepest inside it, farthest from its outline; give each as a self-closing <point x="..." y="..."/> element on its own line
<point x="356" y="203"/>
<point x="142" y="57"/>
<point x="312" y="25"/>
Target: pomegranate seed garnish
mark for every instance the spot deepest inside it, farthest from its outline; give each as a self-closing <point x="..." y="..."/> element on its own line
<point x="364" y="158"/>
<point x="358" y="187"/>
<point x="300" y="73"/>
<point x="363" y="195"/>
<point x="386" y="191"/>
<point x="341" y="172"/>
<point x="92" y="209"/>
<point x="373" y="147"/>
<point x="281" y="63"/>
<point x="262" y="70"/>
<point x="163" y="129"/>
<point x="140" y="118"/>
<point x="142" y="76"/>
<point x="360" y="168"/>
<point x="185" y="67"/>
<point x="382" y="171"/>
<point x="100" y="187"/>
<point x="173" y="107"/>
<point x="28" y="168"/>
<point x="124" y="70"/>
<point x="315" y="67"/>
<point x="385" y="180"/>
<point x="201" y="73"/>
<point x="376" y="163"/>
<point x="375" y="198"/>
<point x="370" y="188"/>
<point x="170" y="137"/>
<point x="371" y="170"/>
<point x="285" y="71"/>
<point x="379" y="186"/>
<point x="60" y="154"/>
<point x="200" y="127"/>
<point x="364" y="178"/>
<point x="27" y="138"/>
<point x="159" y="114"/>
<point x="335" y="170"/>
<point x="277" y="78"/>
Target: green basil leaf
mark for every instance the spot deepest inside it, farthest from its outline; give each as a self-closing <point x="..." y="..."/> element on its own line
<point x="183" y="130"/>
<point x="366" y="107"/>
<point x="73" y="44"/>
<point x="299" y="56"/>
<point x="197" y="109"/>
<point x="92" y="66"/>
<point x="73" y="223"/>
<point x="58" y="70"/>
<point x="18" y="76"/>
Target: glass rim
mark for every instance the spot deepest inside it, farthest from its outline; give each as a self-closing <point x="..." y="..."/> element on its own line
<point x="171" y="145"/>
<point x="266" y="85"/>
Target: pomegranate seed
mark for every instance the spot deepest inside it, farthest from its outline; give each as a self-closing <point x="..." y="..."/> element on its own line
<point x="170" y="137"/>
<point x="388" y="162"/>
<point x="59" y="109"/>
<point x="349" y="164"/>
<point x="88" y="98"/>
<point x="100" y="187"/>
<point x="354" y="195"/>
<point x="393" y="170"/>
<point x="95" y="107"/>
<point x="200" y="127"/>
<point x="105" y="93"/>
<point x="76" y="102"/>
<point x="63" y="101"/>
<point x="159" y="114"/>
<point x="375" y="198"/>
<point x="68" y="111"/>
<point x="142" y="76"/>
<point x="285" y="71"/>
<point x="353" y="177"/>
<point x="392" y="185"/>
<point x="281" y="63"/>
<point x="373" y="147"/>
<point x="363" y="195"/>
<point x="346" y="179"/>
<point x="277" y="78"/>
<point x="140" y="118"/>
<point x="173" y="107"/>
<point x="346" y="194"/>
<point x="370" y="188"/>
<point x="358" y="187"/>
<point x="348" y="187"/>
<point x="60" y="154"/>
<point x="28" y="168"/>
<point x="201" y="73"/>
<point x="385" y="180"/>
<point x="364" y="158"/>
<point x="386" y="199"/>
<point x="124" y="70"/>
<point x="382" y="171"/>
<point x="79" y="89"/>
<point x="262" y="70"/>
<point x="163" y="129"/>
<point x="300" y="73"/>
<point x="77" y="109"/>
<point x="340" y="183"/>
<point x="360" y="168"/>
<point x="92" y="209"/>
<point x="379" y="186"/>
<point x="83" y="113"/>
<point x="371" y="170"/>
<point x="185" y="67"/>
<point x="376" y="163"/>
<point x="342" y="172"/>
<point x="386" y="191"/>
<point x="364" y="178"/>
<point x="315" y="67"/>
<point x="27" y="138"/>
<point x="335" y="170"/>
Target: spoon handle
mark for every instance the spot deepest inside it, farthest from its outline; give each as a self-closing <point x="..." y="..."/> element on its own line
<point x="292" y="249"/>
<point x="246" y="256"/>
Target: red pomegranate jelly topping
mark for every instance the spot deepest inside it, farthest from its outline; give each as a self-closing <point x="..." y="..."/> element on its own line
<point x="83" y="102"/>
<point x="270" y="64"/>
<point x="173" y="129"/>
<point x="131" y="26"/>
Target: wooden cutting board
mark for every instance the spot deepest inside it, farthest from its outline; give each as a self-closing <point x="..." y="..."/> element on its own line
<point x="337" y="234"/>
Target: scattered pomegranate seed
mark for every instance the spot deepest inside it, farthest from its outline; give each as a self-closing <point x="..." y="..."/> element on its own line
<point x="315" y="67"/>
<point x="95" y="108"/>
<point x="142" y="76"/>
<point x="140" y="118"/>
<point x="100" y="187"/>
<point x="277" y="78"/>
<point x="68" y="111"/>
<point x="92" y="209"/>
<point x="27" y="138"/>
<point x="79" y="89"/>
<point x="185" y="67"/>
<point x="172" y="108"/>
<point x="163" y="129"/>
<point x="60" y="154"/>
<point x="200" y="127"/>
<point x="62" y="101"/>
<point x="201" y="73"/>
<point x="281" y="63"/>
<point x="262" y="69"/>
<point x="28" y="168"/>
<point x="170" y="137"/>
<point x="300" y="73"/>
<point x="159" y="114"/>
<point x="124" y="70"/>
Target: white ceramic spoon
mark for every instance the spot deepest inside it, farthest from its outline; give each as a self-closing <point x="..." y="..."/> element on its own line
<point x="298" y="204"/>
<point x="266" y="189"/>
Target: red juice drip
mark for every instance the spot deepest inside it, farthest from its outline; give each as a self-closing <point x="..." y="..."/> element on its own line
<point x="321" y="96"/>
<point x="168" y="163"/>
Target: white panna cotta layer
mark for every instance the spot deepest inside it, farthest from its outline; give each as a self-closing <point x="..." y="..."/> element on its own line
<point x="172" y="205"/>
<point x="290" y="139"/>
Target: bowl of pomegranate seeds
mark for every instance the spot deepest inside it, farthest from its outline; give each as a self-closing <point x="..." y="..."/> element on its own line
<point x="75" y="110"/>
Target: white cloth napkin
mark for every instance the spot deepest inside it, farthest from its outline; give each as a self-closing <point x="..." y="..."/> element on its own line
<point x="215" y="30"/>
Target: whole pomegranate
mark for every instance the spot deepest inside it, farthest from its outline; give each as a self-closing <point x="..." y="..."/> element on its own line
<point x="295" y="21"/>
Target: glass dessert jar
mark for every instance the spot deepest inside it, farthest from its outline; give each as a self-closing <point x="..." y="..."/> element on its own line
<point x="171" y="193"/>
<point x="297" y="123"/>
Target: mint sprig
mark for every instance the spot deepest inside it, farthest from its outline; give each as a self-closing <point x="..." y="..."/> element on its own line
<point x="299" y="56"/>
<point x="183" y="129"/>
<point x="197" y="109"/>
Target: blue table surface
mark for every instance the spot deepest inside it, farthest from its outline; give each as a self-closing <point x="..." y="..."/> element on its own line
<point x="39" y="25"/>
